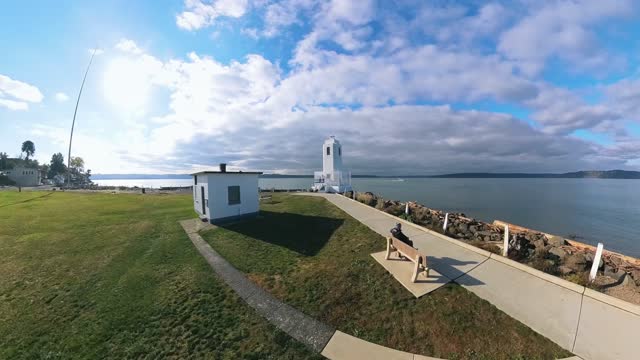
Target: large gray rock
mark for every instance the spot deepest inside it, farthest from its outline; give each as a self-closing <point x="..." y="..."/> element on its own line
<point x="556" y="241"/>
<point x="635" y="274"/>
<point x="559" y="252"/>
<point x="539" y="243"/>
<point x="590" y="256"/>
<point x="613" y="273"/>
<point x="577" y="261"/>
<point x="565" y="270"/>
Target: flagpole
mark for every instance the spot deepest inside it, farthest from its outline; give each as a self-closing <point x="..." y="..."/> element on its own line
<point x="73" y="124"/>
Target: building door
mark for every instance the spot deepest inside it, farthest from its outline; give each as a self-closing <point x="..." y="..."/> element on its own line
<point x="204" y="209"/>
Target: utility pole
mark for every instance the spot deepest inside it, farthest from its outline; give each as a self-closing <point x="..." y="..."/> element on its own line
<point x="73" y="124"/>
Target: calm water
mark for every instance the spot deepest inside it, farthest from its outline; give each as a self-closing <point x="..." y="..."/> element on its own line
<point x="606" y="211"/>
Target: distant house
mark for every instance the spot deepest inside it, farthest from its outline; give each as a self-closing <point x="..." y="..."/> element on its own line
<point x="24" y="176"/>
<point x="223" y="196"/>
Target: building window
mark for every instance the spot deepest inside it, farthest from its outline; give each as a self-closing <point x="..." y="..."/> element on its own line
<point x="328" y="150"/>
<point x="339" y="151"/>
<point x="195" y="179"/>
<point x="234" y="195"/>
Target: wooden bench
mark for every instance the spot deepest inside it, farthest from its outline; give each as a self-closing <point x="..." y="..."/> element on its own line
<point x="406" y="251"/>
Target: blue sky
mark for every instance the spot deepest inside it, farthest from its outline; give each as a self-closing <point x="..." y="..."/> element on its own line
<point x="410" y="87"/>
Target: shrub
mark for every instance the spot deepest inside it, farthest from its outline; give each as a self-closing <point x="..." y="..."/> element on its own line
<point x="367" y="198"/>
<point x="5" y="181"/>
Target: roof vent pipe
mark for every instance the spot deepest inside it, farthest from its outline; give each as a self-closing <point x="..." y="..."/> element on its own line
<point x="223" y="167"/>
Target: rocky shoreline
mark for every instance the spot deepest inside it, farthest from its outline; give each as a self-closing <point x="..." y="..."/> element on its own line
<point x="552" y="254"/>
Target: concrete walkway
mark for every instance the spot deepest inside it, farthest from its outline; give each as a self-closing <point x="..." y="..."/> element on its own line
<point x="587" y="323"/>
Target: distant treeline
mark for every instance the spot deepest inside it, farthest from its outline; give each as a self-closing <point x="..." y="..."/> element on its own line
<point x="610" y="174"/>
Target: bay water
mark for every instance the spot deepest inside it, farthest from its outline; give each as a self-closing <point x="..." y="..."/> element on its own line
<point x="592" y="210"/>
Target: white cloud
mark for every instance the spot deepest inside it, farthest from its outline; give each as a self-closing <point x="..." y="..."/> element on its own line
<point x="624" y="95"/>
<point x="19" y="90"/>
<point x="249" y="113"/>
<point x="128" y="46"/>
<point x="358" y="74"/>
<point x="61" y="97"/>
<point x="199" y="14"/>
<point x="15" y="95"/>
<point x="14" y="105"/>
<point x="563" y="29"/>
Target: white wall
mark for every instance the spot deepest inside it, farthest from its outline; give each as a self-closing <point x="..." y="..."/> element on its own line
<point x="197" y="189"/>
<point x="332" y="162"/>
<point x="24" y="176"/>
<point x="218" y="195"/>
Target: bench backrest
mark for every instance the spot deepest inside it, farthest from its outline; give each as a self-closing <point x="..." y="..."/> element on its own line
<point x="404" y="248"/>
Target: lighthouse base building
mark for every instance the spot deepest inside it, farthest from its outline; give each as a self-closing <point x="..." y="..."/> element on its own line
<point x="332" y="178"/>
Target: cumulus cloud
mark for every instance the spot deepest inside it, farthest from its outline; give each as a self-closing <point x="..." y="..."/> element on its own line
<point x="624" y="95"/>
<point x="14" y="105"/>
<point x="199" y="14"/>
<point x="372" y="140"/>
<point x="250" y="114"/>
<point x="61" y="97"/>
<point x="128" y="46"/>
<point x="563" y="29"/>
<point x="388" y="82"/>
<point x="15" y="95"/>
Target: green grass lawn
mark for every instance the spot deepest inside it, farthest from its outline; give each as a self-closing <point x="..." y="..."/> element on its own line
<point x="315" y="257"/>
<point x="115" y="276"/>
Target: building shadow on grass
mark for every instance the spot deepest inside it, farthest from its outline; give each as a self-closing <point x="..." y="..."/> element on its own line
<point x="303" y="234"/>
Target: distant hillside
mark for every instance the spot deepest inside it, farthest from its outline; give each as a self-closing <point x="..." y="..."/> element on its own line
<point x="593" y="174"/>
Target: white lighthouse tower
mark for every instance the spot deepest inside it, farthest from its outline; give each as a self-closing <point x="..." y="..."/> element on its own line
<point x="332" y="178"/>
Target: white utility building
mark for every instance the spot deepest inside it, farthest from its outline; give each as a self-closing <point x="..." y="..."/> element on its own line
<point x="332" y="178"/>
<point x="223" y="196"/>
<point x="24" y="176"/>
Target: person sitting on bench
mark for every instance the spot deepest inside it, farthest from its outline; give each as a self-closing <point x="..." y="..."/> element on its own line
<point x="397" y="233"/>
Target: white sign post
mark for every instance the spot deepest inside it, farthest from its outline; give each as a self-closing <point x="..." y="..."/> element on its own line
<point x="406" y="209"/>
<point x="505" y="247"/>
<point x="446" y="221"/>
<point x="596" y="262"/>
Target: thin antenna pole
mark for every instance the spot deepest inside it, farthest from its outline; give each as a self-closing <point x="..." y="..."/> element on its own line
<point x="73" y="124"/>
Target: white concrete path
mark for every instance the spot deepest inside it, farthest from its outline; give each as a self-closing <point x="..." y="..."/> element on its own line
<point x="589" y="324"/>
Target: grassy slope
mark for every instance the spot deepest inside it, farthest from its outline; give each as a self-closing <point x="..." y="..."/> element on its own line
<point x="101" y="275"/>
<point x="316" y="258"/>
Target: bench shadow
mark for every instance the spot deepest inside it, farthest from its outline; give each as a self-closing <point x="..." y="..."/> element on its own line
<point x="445" y="266"/>
<point x="303" y="234"/>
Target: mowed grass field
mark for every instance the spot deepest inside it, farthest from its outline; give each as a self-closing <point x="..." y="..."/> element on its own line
<point x="114" y="276"/>
<point x="315" y="257"/>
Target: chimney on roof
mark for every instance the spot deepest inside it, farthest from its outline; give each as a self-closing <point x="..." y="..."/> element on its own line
<point x="223" y="167"/>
